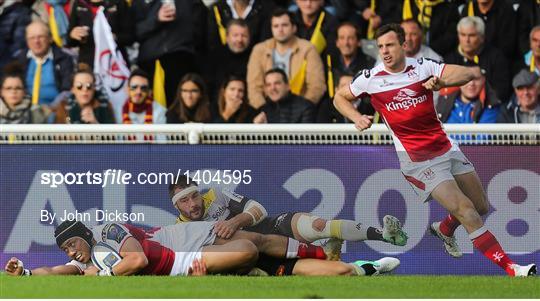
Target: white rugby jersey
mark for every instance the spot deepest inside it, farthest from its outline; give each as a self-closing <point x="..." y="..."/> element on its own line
<point x="407" y="107"/>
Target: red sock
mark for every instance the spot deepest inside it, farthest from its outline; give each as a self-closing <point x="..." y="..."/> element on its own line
<point x="486" y="243"/>
<point x="449" y="225"/>
<point x="310" y="251"/>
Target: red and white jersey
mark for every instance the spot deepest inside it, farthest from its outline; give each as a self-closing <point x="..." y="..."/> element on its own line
<point x="160" y="258"/>
<point x="407" y="107"/>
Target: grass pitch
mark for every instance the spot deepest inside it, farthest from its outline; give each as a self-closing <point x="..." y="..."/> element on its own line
<point x="488" y="287"/>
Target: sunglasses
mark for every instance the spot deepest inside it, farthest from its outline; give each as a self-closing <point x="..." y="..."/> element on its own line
<point x="144" y="88"/>
<point x="87" y="86"/>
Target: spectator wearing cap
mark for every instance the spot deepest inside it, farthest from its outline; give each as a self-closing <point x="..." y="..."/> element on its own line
<point x="524" y="107"/>
<point x="140" y="108"/>
<point x="474" y="102"/>
<point x="473" y="50"/>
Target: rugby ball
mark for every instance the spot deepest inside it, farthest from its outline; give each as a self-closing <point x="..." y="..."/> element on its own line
<point x="104" y="256"/>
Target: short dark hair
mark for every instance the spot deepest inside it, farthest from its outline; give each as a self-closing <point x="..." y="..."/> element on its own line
<point x="350" y="24"/>
<point x="237" y="22"/>
<point x="279" y="71"/>
<point x="181" y="183"/>
<point x="391" y="27"/>
<point x="280" y="11"/>
<point x="138" y="72"/>
<point x="413" y="21"/>
<point x="13" y="70"/>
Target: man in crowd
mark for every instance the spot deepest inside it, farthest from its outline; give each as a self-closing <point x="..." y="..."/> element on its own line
<point x="474" y="102"/>
<point x="281" y="105"/>
<point x="231" y="59"/>
<point x="140" y="108"/>
<point x="297" y="57"/>
<point x="525" y="105"/>
<point x="473" y="49"/>
<point x="48" y="69"/>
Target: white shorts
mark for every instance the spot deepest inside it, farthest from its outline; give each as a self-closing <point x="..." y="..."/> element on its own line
<point x="183" y="261"/>
<point x="186" y="237"/>
<point x="427" y="175"/>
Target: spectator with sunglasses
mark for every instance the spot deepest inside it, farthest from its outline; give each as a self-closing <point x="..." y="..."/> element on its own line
<point x="140" y="108"/>
<point x="85" y="104"/>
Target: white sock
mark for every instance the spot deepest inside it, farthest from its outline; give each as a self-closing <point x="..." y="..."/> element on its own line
<point x="292" y="248"/>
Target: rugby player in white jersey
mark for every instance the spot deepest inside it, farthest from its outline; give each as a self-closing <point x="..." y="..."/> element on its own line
<point x="182" y="249"/>
<point x="232" y="211"/>
<point x="401" y="90"/>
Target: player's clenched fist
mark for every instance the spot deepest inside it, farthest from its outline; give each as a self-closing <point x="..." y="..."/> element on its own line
<point x="14" y="267"/>
<point x="364" y="122"/>
<point x="433" y="83"/>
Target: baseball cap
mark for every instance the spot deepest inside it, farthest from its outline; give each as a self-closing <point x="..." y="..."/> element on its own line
<point x="524" y="79"/>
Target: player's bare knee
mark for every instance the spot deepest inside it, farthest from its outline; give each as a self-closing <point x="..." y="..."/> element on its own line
<point x="249" y="251"/>
<point x="319" y="224"/>
<point x="469" y="215"/>
<point x="259" y="240"/>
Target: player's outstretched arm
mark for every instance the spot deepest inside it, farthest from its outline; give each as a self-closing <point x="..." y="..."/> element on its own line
<point x="14" y="267"/>
<point x="453" y="75"/>
<point x="133" y="258"/>
<point x="343" y="103"/>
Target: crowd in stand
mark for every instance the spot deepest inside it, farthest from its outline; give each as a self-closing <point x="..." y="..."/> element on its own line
<point x="260" y="61"/>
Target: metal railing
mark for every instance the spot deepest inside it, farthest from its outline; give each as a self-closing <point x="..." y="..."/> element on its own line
<point x="198" y="133"/>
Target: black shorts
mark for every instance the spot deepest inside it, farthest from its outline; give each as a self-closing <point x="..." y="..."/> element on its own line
<point x="280" y="225"/>
<point x="276" y="266"/>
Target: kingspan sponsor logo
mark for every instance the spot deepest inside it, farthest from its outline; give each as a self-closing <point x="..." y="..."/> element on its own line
<point x="405" y="99"/>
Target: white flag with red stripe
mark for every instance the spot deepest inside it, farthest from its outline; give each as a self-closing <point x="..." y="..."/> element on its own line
<point x="111" y="70"/>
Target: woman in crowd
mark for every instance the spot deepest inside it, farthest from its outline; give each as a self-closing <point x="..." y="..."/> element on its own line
<point x="191" y="103"/>
<point x="233" y="105"/>
<point x="15" y="105"/>
<point x="85" y="104"/>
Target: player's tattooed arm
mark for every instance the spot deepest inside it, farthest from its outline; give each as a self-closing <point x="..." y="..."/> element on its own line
<point x="133" y="258"/>
<point x="453" y="75"/>
<point x="14" y="267"/>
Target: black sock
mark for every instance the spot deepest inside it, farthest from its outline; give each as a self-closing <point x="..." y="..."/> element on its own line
<point x="369" y="268"/>
<point x="374" y="234"/>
